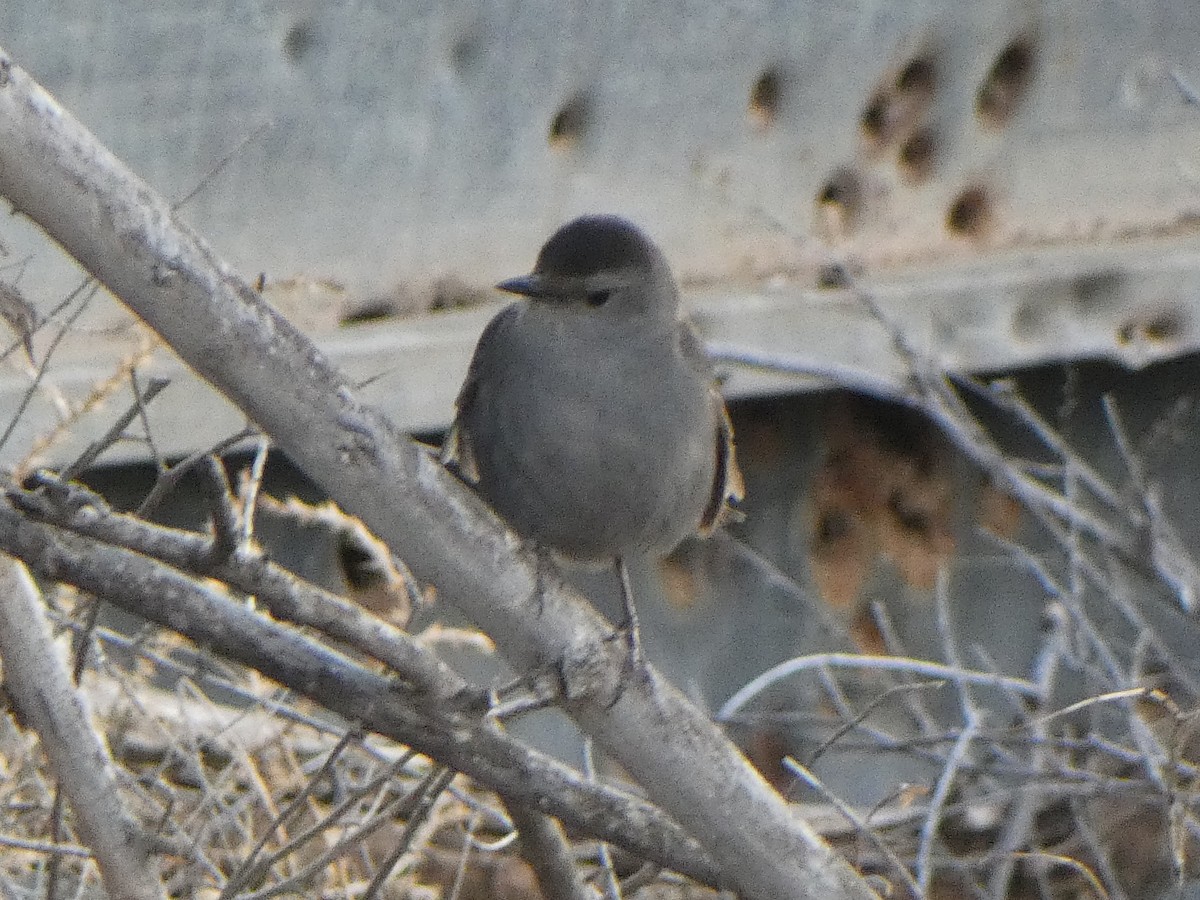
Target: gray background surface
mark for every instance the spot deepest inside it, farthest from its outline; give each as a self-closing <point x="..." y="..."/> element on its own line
<point x="393" y="157"/>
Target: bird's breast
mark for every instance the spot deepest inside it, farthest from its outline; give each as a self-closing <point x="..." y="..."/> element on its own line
<point x="598" y="444"/>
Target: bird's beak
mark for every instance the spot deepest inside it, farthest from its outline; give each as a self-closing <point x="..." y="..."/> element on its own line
<point x="533" y="285"/>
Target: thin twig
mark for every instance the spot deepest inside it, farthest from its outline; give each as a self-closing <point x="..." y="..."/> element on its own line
<point x="862" y="827"/>
<point x="971" y="724"/>
<point x="334" y="817"/>
<point x="884" y="698"/>
<point x="141" y="400"/>
<point x="612" y="884"/>
<point x="1185" y="87"/>
<point x="428" y="794"/>
<point x="925" y="668"/>
<point x="249" y="488"/>
<point x="240" y="875"/>
<point x="168" y="480"/>
<point x="44" y="365"/>
<point x="218" y="496"/>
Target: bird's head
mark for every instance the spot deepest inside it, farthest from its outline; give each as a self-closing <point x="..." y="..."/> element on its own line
<point x="601" y="263"/>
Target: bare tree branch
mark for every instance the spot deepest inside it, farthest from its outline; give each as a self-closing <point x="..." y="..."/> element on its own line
<point x="117" y="430"/>
<point x="462" y="740"/>
<point x="546" y="850"/>
<point x="40" y="686"/>
<point x="288" y="598"/>
<point x="53" y="170"/>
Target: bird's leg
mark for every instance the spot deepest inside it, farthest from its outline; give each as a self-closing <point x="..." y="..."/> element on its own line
<point x="631" y="627"/>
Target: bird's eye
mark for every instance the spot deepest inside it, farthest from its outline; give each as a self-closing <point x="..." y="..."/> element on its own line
<point x="597" y="298"/>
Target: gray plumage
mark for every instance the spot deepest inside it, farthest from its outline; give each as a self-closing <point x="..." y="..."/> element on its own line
<point x="589" y="420"/>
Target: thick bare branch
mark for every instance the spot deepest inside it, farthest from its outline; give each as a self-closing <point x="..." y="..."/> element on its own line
<point x="545" y="848"/>
<point x="53" y="170"/>
<point x="287" y="597"/>
<point x="41" y="689"/>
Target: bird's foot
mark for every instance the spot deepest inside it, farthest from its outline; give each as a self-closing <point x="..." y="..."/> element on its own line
<point x="631" y="633"/>
<point x="630" y="629"/>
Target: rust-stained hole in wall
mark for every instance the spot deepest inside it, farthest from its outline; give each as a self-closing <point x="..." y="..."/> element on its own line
<point x="765" y="98"/>
<point x="1158" y="328"/>
<point x="970" y="214"/>
<point x="833" y="276"/>
<point x="1006" y="82"/>
<point x="918" y="154"/>
<point x="300" y="40"/>
<point x="999" y="511"/>
<point x="896" y="107"/>
<point x="451" y="292"/>
<point x="918" y="78"/>
<point x="1099" y="291"/>
<point x="874" y="120"/>
<point x="766" y="746"/>
<point x="839" y="201"/>
<point x="370" y="579"/>
<point x="681" y="588"/>
<point x="843" y="546"/>
<point x="1166" y="326"/>
<point x="466" y="53"/>
<point x="883" y="492"/>
<point x="570" y="123"/>
<point x="915" y="527"/>
<point x="834" y="526"/>
<point x="909" y="516"/>
<point x="374" y="310"/>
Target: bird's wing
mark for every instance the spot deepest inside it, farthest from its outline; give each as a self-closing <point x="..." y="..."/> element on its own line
<point x="728" y="488"/>
<point x="458" y="453"/>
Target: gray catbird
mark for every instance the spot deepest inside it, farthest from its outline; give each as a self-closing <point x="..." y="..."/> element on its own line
<point x="589" y="419"/>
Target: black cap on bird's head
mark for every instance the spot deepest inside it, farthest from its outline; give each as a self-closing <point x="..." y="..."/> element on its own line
<point x="593" y="258"/>
<point x="594" y="243"/>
